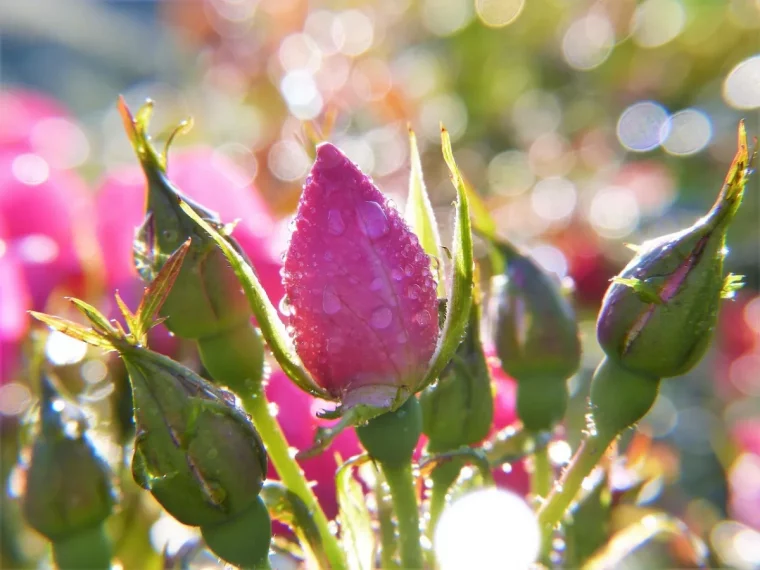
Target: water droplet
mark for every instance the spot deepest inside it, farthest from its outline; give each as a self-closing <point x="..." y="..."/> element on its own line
<point x="422" y="318"/>
<point x="377" y="284"/>
<point x="390" y="203"/>
<point x="381" y="318"/>
<point x="273" y="408"/>
<point x="413" y="292"/>
<point x="374" y="223"/>
<point x="285" y="307"/>
<point x="330" y="302"/>
<point x="409" y="270"/>
<point x="397" y="274"/>
<point x="335" y="224"/>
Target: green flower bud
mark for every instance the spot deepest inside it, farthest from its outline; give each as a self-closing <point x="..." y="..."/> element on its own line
<point x="206" y="298"/>
<point x="658" y="315"/>
<point x="196" y="452"/>
<point x="536" y="337"/>
<point x="68" y="485"/>
<point x="458" y="409"/>
<point x="392" y="437"/>
<point x="244" y="539"/>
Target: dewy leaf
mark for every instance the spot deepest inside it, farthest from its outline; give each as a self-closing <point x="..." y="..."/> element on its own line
<point x="99" y="322"/>
<point x="460" y="299"/>
<point x="74" y="330"/>
<point x="157" y="292"/>
<point x="288" y="508"/>
<point x="357" y="534"/>
<point x="271" y="326"/>
<point x="419" y="215"/>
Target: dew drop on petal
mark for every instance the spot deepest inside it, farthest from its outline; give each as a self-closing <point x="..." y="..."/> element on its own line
<point x="330" y="301"/>
<point x="413" y="292"/>
<point x="377" y="284"/>
<point x="374" y="223"/>
<point x="422" y="318"/>
<point x="409" y="270"/>
<point x="381" y="318"/>
<point x="397" y="274"/>
<point x="335" y="224"/>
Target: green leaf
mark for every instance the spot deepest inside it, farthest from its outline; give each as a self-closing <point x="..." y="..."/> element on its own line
<point x="74" y="330"/>
<point x="419" y="215"/>
<point x="460" y="299"/>
<point x="288" y="508"/>
<point x="357" y="535"/>
<point x="99" y="322"/>
<point x="271" y="326"/>
<point x="647" y="292"/>
<point x="156" y="293"/>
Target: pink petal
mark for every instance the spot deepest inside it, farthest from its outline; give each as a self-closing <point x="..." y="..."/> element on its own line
<point x="22" y="109"/>
<point x="363" y="299"/>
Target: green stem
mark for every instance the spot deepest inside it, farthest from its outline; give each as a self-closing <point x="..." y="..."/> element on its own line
<point x="442" y="477"/>
<point x="388" y="545"/>
<point x="401" y="483"/>
<point x="290" y="473"/>
<point x="86" y="550"/>
<point x="541" y="476"/>
<point x="590" y="452"/>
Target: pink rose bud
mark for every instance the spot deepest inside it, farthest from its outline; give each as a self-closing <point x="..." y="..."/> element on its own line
<point x="363" y="304"/>
<point x="14" y="303"/>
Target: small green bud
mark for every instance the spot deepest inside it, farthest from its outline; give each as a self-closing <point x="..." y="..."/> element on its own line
<point x="536" y="337"/>
<point x="659" y="314"/>
<point x="68" y="485"/>
<point x="196" y="452"/>
<point x="206" y="299"/>
<point x="458" y="409"/>
<point x="392" y="437"/>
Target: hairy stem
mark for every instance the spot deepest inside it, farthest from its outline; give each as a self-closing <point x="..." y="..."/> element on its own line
<point x="401" y="483"/>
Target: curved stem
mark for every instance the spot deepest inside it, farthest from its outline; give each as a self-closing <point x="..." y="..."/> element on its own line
<point x="290" y="473"/>
<point x="401" y="483"/>
<point x="541" y="476"/>
<point x="442" y="477"/>
<point x="590" y="452"/>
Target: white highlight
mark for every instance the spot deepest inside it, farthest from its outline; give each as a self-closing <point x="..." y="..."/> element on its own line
<point x="488" y="528"/>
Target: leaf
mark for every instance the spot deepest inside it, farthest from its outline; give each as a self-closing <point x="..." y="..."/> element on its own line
<point x="419" y="215"/>
<point x="99" y="322"/>
<point x="460" y="298"/>
<point x="74" y="330"/>
<point x="156" y="293"/>
<point x="647" y="292"/>
<point x="288" y="508"/>
<point x="271" y="326"/>
<point x="356" y="526"/>
<point x="731" y="284"/>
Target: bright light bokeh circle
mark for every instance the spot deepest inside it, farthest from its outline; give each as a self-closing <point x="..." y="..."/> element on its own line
<point x="488" y="528"/>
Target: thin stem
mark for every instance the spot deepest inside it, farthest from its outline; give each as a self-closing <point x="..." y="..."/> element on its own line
<point x="585" y="459"/>
<point x="290" y="473"/>
<point x="442" y="477"/>
<point x="541" y="476"/>
<point x="388" y="543"/>
<point x="401" y="483"/>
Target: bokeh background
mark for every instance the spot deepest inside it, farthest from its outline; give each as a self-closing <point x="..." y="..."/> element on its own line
<point x="583" y="125"/>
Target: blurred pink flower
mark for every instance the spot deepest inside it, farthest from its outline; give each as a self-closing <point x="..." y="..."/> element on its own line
<point x="362" y="297"/>
<point x="21" y="110"/>
<point x="46" y="212"/>
<point x="744" y="474"/>
<point x="205" y="176"/>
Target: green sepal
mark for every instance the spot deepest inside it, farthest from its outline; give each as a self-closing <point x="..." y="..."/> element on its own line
<point x="420" y="217"/>
<point x="647" y="292"/>
<point x="392" y="437"/>
<point x="731" y="284"/>
<point x="460" y="297"/>
<point x="242" y="540"/>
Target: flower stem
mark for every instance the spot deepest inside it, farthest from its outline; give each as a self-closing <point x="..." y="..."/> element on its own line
<point x="401" y="483"/>
<point x="541" y="476"/>
<point x="290" y="473"/>
<point x="590" y="452"/>
<point x="388" y="545"/>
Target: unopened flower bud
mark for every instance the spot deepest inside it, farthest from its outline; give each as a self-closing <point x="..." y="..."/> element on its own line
<point x="362" y="297"/>
<point x="69" y="492"/>
<point x="659" y="313"/>
<point x="458" y="409"/>
<point x="196" y="452"/>
<point x="536" y="337"/>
